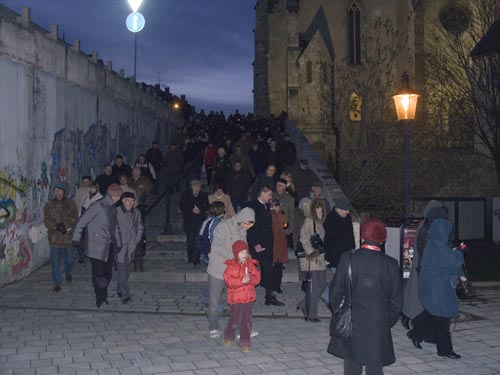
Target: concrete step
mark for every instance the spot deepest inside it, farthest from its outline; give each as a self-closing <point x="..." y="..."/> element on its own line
<point x="166" y="238"/>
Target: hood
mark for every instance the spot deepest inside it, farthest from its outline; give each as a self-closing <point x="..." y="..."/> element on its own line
<point x="432" y="204"/>
<point x="306" y="208"/>
<point x="440" y="230"/>
<point x="246" y="214"/>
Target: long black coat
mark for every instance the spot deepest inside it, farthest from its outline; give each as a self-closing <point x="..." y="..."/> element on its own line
<point x="186" y="205"/>
<point x="262" y="232"/>
<point x="377" y="302"/>
<point x="339" y="236"/>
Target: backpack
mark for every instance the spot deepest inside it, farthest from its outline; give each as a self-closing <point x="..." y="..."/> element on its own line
<point x="202" y="241"/>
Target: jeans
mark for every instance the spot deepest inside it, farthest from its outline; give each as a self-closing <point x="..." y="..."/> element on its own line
<point x="326" y="294"/>
<point x="215" y="288"/>
<point x="55" y="255"/>
<point x="316" y="282"/>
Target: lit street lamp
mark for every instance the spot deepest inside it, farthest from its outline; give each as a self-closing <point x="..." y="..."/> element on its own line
<point x="135" y="22"/>
<point x="405" y="101"/>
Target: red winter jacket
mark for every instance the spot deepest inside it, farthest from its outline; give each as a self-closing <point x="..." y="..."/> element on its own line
<point x="209" y="155"/>
<point x="237" y="292"/>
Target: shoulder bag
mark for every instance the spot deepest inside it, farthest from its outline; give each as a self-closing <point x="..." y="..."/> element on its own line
<point x="342" y="315"/>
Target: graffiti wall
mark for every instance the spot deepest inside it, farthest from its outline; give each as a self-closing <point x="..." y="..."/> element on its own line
<point x="62" y="115"/>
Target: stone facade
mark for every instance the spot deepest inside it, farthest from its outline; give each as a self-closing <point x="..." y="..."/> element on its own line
<point x="336" y="80"/>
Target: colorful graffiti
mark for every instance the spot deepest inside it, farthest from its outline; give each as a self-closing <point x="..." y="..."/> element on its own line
<point x="20" y="200"/>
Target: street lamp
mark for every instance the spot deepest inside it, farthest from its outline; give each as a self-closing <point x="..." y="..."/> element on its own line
<point x="405" y="101"/>
<point x="135" y="22"/>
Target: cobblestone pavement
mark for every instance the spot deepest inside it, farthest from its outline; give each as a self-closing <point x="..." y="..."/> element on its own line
<point x="165" y="332"/>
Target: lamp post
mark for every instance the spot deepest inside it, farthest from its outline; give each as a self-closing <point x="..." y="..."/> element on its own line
<point x="135" y="22"/>
<point x="405" y="101"/>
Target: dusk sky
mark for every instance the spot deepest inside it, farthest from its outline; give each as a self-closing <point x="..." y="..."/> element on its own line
<point x="201" y="48"/>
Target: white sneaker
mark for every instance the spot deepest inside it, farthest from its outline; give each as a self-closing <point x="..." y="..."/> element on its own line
<point x="214" y="334"/>
<point x="252" y="334"/>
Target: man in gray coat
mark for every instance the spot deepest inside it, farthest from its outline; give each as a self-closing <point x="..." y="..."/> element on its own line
<point x="100" y="244"/>
<point x="129" y="231"/>
<point x="225" y="234"/>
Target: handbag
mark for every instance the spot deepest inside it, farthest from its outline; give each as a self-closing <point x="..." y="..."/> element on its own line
<point x="465" y="289"/>
<point x="316" y="241"/>
<point x="299" y="251"/>
<point x="341" y="324"/>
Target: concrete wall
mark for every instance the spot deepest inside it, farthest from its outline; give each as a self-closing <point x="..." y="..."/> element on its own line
<point x="63" y="114"/>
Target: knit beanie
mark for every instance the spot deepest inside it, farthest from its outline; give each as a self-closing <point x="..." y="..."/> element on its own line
<point x="239" y="246"/>
<point x="114" y="190"/>
<point x="373" y="230"/>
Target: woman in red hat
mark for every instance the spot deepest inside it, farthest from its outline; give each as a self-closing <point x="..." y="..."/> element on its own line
<point x="376" y="303"/>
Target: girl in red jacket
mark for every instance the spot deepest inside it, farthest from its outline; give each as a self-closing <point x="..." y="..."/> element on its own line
<point x="241" y="277"/>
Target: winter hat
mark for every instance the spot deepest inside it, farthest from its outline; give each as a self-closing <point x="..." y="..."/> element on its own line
<point x="275" y="202"/>
<point x="195" y="183"/>
<point x="239" y="246"/>
<point x="60" y="187"/>
<point x="128" y="194"/>
<point x="304" y="161"/>
<point x="342" y="204"/>
<point x="303" y="201"/>
<point x="282" y="180"/>
<point x="114" y="190"/>
<point x="373" y="230"/>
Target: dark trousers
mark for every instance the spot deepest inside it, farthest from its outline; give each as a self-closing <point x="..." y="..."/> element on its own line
<point x="102" y="271"/>
<point x="192" y="252"/>
<point x="277" y="275"/>
<point x="355" y="368"/>
<point x="266" y="271"/>
<point x="240" y="315"/>
<point x="433" y="329"/>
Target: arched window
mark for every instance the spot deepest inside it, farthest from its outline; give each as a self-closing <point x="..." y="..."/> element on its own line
<point x="309" y="68"/>
<point x="354" y="34"/>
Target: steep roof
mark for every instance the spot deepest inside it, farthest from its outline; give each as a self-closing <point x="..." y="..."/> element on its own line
<point x="489" y="43"/>
<point x="319" y="24"/>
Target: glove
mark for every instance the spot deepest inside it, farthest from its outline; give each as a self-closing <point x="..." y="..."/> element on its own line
<point x="61" y="228"/>
<point x="314" y="254"/>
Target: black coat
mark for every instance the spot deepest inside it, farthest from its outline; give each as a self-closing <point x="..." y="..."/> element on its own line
<point x="288" y="153"/>
<point x="262" y="232"/>
<point x="339" y="236"/>
<point x="186" y="205"/>
<point x="377" y="302"/>
<point x="238" y="184"/>
<point x="155" y="157"/>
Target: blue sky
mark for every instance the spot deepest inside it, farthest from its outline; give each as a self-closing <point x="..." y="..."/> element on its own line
<point x="201" y="48"/>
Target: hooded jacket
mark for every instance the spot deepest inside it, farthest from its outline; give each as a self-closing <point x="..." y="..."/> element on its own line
<point x="312" y="263"/>
<point x="237" y="292"/>
<point x="225" y="234"/>
<point x="439" y="271"/>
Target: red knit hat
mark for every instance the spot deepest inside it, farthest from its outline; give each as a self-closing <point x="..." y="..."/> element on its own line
<point x="239" y="246"/>
<point x="373" y="230"/>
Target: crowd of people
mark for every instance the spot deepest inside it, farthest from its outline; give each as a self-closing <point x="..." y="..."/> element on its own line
<point x="259" y="202"/>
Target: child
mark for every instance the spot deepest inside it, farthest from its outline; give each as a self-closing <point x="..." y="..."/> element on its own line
<point x="241" y="277"/>
<point x="280" y="243"/>
<point x="129" y="231"/>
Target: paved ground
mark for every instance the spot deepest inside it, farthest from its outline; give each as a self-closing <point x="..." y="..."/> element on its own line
<point x="165" y="331"/>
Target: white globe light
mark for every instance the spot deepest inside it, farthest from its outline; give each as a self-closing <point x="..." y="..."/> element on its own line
<point x="135" y="4"/>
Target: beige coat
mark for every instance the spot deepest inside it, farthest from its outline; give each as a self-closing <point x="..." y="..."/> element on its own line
<point x="312" y="263"/>
<point x="226" y="199"/>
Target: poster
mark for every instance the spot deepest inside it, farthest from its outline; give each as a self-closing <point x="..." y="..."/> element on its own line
<point x="409" y="238"/>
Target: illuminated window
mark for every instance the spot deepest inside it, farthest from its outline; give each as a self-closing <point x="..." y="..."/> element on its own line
<point x="354" y="34"/>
